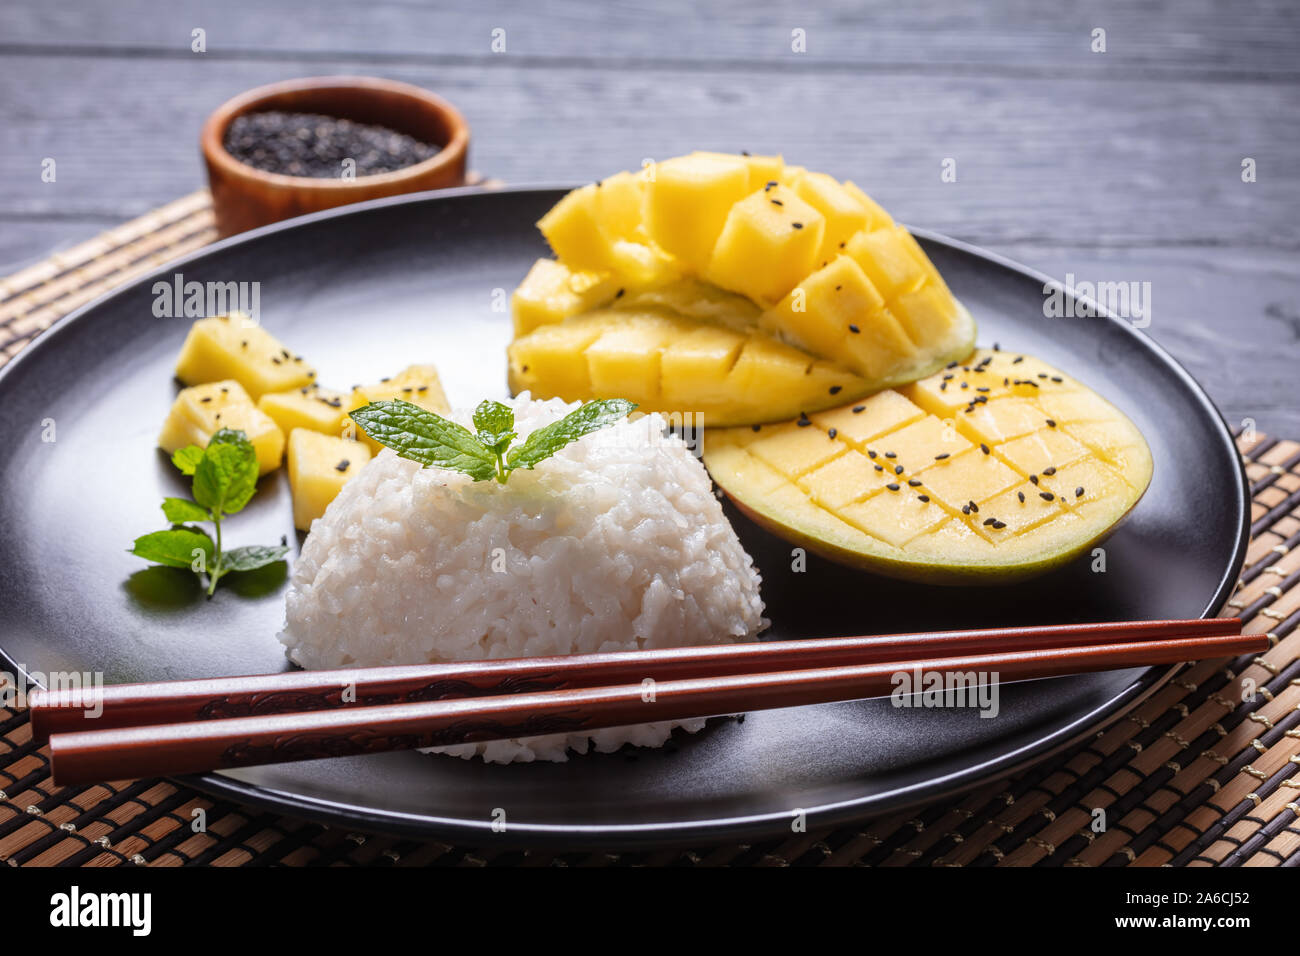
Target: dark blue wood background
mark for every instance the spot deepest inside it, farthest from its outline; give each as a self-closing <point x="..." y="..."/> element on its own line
<point x="1117" y="166"/>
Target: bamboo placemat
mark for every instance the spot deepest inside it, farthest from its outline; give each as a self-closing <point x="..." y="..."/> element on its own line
<point x="1195" y="775"/>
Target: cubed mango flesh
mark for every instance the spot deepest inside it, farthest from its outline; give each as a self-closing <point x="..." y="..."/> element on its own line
<point x="233" y="346"/>
<point x="319" y="467"/>
<point x="199" y="412"/>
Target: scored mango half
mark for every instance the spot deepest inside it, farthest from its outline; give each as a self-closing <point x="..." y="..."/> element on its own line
<point x="732" y="286"/>
<point x="992" y="470"/>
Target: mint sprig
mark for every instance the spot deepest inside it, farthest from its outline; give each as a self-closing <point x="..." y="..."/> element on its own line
<point x="421" y="436"/>
<point x="223" y="479"/>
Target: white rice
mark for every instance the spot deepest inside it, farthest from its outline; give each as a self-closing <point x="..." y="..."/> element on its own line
<point x="615" y="543"/>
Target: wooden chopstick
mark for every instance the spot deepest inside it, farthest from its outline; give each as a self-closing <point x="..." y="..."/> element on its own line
<point x="169" y="702"/>
<point x="164" y="749"/>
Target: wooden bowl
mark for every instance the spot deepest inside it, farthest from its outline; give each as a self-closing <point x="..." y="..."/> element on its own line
<point x="244" y="197"/>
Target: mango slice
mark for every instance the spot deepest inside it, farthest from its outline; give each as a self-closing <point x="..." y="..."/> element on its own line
<point x="203" y="410"/>
<point x="992" y="470"/>
<point x="808" y="269"/>
<point x="233" y="346"/>
<point x="319" y="467"/>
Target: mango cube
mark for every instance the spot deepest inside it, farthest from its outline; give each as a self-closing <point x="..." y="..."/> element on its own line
<point x="689" y="200"/>
<point x="311" y="407"/>
<point x="201" y="411"/>
<point x="417" y="384"/>
<point x="769" y="242"/>
<point x="551" y="292"/>
<point x="319" y="467"/>
<point x="233" y="346"/>
<point x="886" y="261"/>
<point x="845" y="214"/>
<point x="572" y="227"/>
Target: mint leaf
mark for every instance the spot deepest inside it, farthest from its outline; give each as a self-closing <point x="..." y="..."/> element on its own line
<point x="252" y="557"/>
<point x="226" y="476"/>
<point x="421" y="436"/>
<point x="175" y="548"/>
<point x="495" y="423"/>
<point x="546" y="441"/>
<point x="181" y="510"/>
<point x="187" y="458"/>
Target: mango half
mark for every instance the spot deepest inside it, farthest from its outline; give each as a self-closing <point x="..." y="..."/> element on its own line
<point x="989" y="471"/>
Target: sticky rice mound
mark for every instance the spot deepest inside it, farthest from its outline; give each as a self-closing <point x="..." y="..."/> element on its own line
<point x="616" y="542"/>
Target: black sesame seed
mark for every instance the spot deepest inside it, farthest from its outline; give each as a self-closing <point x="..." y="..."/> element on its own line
<point x="1078" y="492"/>
<point x="965" y="509"/>
<point x="951" y="365"/>
<point x="276" y="359"/>
<point x="1050" y="470"/>
<point x="1046" y="495"/>
<point x="1017" y="360"/>
<point x="941" y="457"/>
<point x="756" y="427"/>
<point x="1033" y="479"/>
<point x="898" y="469"/>
<point x="619" y="293"/>
<point x="982" y="388"/>
<point x="1050" y="423"/>
<point x="836" y="389"/>
<point x="914" y="482"/>
<point x="854" y="329"/>
<point x="943" y="386"/>
<point x="832" y="433"/>
<point x="989" y="521"/>
<point x="948" y="376"/>
<point x="423" y="388"/>
<point x="838" y="287"/>
<point x="858" y="408"/>
<point x="803" y="423"/>
<point x="996" y="347"/>
<point x="776" y="202"/>
<point x="890" y="454"/>
<point x="206" y="398"/>
<point x="243" y="344"/>
<point x="984" y="448"/>
<point x="385" y="378"/>
<point x="770" y="184"/>
<point x="1021" y="496"/>
<point x="879" y="467"/>
<point x="974" y="507"/>
<point x="342" y="465"/>
<point x="999" y="525"/>
<point x="925" y="498"/>
<point x="892" y="486"/>
<point x="965" y="384"/>
<point x="1057" y="378"/>
<point x="797" y="225"/>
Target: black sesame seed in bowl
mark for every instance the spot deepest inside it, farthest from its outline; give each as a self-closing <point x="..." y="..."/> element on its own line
<point x="320" y="146"/>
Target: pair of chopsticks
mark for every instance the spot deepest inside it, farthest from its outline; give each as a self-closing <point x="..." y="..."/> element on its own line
<point x="139" y="730"/>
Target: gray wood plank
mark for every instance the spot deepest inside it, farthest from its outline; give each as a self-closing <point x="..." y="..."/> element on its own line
<point x="1192" y="37"/>
<point x="1148" y="162"/>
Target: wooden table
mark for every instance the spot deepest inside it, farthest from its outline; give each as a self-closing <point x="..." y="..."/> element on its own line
<point x="1123" y="165"/>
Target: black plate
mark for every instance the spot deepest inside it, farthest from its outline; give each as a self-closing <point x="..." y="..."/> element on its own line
<point x="369" y="288"/>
